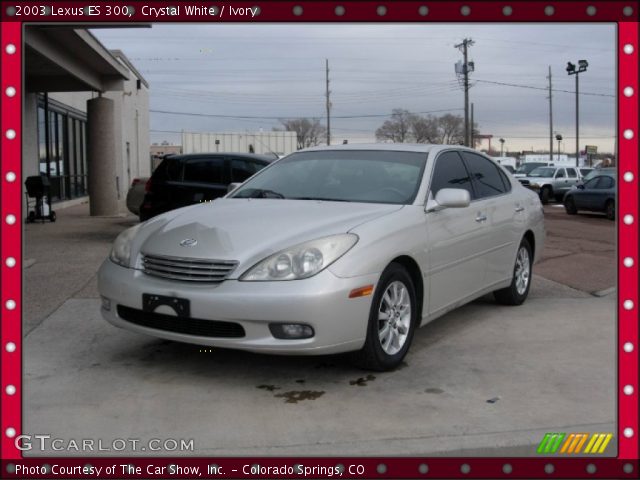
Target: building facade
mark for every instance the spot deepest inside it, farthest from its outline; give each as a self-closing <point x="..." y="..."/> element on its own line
<point x="85" y="119"/>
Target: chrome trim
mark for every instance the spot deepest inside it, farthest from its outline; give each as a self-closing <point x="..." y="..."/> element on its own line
<point x="187" y="269"/>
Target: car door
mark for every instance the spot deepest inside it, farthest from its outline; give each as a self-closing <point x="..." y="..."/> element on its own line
<point x="504" y="212"/>
<point x="584" y="197"/>
<point x="560" y="182"/>
<point x="602" y="192"/>
<point x="456" y="264"/>
<point x="573" y="177"/>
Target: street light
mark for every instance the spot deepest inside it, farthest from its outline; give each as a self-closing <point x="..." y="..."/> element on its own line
<point x="572" y="70"/>
<point x="502" y="147"/>
<point x="559" y="139"/>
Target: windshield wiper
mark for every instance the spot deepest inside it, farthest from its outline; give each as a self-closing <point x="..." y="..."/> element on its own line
<point x="323" y="199"/>
<point x="261" y="193"/>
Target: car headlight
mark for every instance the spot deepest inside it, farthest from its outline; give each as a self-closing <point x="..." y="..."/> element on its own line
<point x="301" y="261"/>
<point x="121" y="250"/>
<point x="535" y="185"/>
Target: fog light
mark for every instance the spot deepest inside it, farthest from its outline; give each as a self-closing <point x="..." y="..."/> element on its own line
<point x="106" y="303"/>
<point x="290" y="330"/>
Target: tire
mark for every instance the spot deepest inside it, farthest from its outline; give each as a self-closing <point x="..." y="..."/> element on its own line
<point x="52" y="216"/>
<point x="570" y="206"/>
<point x="383" y="352"/>
<point x="516" y="293"/>
<point x="610" y="209"/>
<point x="545" y="195"/>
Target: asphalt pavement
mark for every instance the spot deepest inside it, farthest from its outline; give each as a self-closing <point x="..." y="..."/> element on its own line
<point x="481" y="379"/>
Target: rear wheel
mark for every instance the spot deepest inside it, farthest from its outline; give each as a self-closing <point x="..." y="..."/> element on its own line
<point x="570" y="206"/>
<point x="545" y="195"/>
<point x="517" y="292"/>
<point x="610" y="210"/>
<point x="392" y="321"/>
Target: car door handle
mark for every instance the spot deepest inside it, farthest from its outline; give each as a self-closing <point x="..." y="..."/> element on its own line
<point x="519" y="209"/>
<point x="481" y="218"/>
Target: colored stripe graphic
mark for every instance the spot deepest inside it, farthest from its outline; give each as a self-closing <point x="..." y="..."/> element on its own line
<point x="573" y="443"/>
<point x="550" y="442"/>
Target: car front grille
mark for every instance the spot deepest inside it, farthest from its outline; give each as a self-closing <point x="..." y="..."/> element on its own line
<point x="188" y="269"/>
<point x="187" y="326"/>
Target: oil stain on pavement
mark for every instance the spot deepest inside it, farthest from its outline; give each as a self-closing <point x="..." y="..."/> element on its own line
<point x="362" y="381"/>
<point x="296" y="396"/>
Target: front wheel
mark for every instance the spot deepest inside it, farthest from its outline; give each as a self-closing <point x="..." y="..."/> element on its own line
<point x="392" y="321"/>
<point x="570" y="206"/>
<point x="545" y="195"/>
<point x="610" y="210"/>
<point x="517" y="292"/>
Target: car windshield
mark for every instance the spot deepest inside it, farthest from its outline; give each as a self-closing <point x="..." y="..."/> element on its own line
<point x="543" y="172"/>
<point x="527" y="167"/>
<point x="339" y="175"/>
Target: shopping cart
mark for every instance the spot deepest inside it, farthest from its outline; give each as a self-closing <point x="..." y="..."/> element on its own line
<point x="38" y="199"/>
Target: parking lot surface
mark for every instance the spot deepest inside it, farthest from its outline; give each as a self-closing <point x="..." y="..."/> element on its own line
<point x="481" y="378"/>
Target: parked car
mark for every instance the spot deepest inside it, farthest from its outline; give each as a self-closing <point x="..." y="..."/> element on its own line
<point x="135" y="195"/>
<point x="330" y="249"/>
<point x="526" y="168"/>
<point x="549" y="182"/>
<point x="597" y="195"/>
<point x="182" y="180"/>
<point x="598" y="171"/>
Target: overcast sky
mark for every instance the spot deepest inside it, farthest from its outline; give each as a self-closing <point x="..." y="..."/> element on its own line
<point x="278" y="71"/>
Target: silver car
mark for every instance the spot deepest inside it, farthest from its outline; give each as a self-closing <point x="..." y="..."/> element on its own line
<point x="330" y="249"/>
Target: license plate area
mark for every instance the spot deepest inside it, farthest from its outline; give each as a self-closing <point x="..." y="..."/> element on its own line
<point x="151" y="302"/>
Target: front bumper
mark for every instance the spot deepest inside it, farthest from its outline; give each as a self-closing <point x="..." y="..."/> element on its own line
<point x="322" y="301"/>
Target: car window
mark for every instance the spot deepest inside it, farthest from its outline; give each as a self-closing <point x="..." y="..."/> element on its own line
<point x="572" y="172"/>
<point x="505" y="181"/>
<point x="243" y="169"/>
<point x="560" y="173"/>
<point x="592" y="183"/>
<point x="206" y="170"/>
<point x="168" y="170"/>
<point x="450" y="172"/>
<point x="487" y="181"/>
<point x="585" y="171"/>
<point x="604" y="182"/>
<point x="542" y="172"/>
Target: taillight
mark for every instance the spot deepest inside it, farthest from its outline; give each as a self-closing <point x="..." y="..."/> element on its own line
<point x="147" y="186"/>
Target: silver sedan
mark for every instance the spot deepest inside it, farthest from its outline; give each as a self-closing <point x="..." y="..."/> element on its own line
<point x="330" y="249"/>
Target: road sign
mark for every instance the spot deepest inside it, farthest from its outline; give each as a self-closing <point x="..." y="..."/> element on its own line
<point x="591" y="149"/>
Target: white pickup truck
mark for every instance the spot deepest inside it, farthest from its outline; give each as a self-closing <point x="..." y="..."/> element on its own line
<point x="551" y="182"/>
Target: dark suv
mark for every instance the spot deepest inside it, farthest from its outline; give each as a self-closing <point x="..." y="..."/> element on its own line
<point x="182" y="180"/>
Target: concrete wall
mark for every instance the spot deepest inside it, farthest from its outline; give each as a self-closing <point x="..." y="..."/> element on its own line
<point x="282" y="143"/>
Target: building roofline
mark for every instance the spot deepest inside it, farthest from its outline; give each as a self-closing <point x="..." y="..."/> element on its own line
<point x="120" y="54"/>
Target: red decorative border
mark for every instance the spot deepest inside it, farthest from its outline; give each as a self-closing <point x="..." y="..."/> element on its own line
<point x="624" y="466"/>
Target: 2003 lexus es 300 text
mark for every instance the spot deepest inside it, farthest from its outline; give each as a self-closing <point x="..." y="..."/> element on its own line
<point x="330" y="249"/>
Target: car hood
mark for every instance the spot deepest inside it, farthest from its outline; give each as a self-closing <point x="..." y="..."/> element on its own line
<point x="248" y="230"/>
<point x="536" y="179"/>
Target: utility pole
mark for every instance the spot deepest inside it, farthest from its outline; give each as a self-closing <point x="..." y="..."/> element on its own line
<point x="473" y="144"/>
<point x="550" y="118"/>
<point x="328" y="92"/>
<point x="466" y="68"/>
<point x="572" y="70"/>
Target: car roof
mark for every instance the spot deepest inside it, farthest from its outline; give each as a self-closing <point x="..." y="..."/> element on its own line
<point x="245" y="156"/>
<point x="390" y="147"/>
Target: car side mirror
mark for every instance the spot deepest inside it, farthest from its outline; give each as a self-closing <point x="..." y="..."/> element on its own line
<point x="232" y="186"/>
<point x="449" y="198"/>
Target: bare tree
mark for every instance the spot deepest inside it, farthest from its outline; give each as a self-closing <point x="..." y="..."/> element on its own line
<point x="396" y="129"/>
<point x="308" y="130"/>
<point x="424" y="129"/>
<point x="451" y="129"/>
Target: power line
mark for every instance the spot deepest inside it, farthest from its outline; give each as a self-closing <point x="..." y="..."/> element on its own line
<point x="544" y="88"/>
<point x="244" y="117"/>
